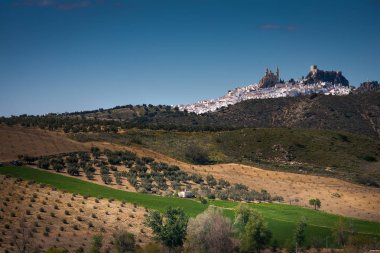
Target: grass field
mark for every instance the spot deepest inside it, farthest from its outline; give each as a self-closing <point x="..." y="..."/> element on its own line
<point x="281" y="218"/>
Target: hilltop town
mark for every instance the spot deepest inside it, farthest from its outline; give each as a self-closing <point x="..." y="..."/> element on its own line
<point x="271" y="86"/>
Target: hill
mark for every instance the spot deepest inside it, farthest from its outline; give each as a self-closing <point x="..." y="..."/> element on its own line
<point x="355" y="113"/>
<point x="281" y="218"/>
<point x="318" y="152"/>
<point x="353" y="200"/>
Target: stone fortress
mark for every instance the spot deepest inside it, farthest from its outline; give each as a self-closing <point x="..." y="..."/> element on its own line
<point x="270" y="79"/>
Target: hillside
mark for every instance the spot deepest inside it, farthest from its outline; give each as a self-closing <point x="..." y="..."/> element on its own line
<point x="353" y="200"/>
<point x="319" y="152"/>
<point x="38" y="216"/>
<point x="355" y="113"/>
<point x="281" y="218"/>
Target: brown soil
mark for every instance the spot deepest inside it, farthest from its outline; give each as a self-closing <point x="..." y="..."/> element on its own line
<point x="43" y="216"/>
<point x="18" y="140"/>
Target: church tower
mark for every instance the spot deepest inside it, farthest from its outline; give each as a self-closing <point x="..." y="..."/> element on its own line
<point x="277" y="73"/>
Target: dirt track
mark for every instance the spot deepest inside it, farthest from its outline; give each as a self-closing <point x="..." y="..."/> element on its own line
<point x="337" y="196"/>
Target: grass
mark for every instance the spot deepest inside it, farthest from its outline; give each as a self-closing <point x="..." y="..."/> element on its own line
<point x="347" y="155"/>
<point x="281" y="218"/>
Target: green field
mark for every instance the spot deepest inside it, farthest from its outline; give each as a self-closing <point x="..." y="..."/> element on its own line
<point x="281" y="218"/>
<point x="349" y="156"/>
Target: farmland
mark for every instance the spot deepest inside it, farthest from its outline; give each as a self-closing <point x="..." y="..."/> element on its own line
<point x="281" y="218"/>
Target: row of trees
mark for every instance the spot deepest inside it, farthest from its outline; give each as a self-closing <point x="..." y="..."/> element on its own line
<point x="211" y="232"/>
<point x="147" y="175"/>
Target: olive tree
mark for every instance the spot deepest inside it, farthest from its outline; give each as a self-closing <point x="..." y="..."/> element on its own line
<point x="169" y="227"/>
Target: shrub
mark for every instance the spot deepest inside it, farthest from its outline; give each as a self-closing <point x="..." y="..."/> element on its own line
<point x="44" y="163"/>
<point x="210" y="231"/>
<point x="89" y="174"/>
<point x="197" y="155"/>
<point x="124" y="242"/>
<point x="169" y="228"/>
<point x="97" y="243"/>
<point x="211" y="181"/>
<point x="73" y="169"/>
<point x="106" y="179"/>
<point x="104" y="170"/>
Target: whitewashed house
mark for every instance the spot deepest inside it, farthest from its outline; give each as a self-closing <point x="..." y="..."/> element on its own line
<point x="186" y="194"/>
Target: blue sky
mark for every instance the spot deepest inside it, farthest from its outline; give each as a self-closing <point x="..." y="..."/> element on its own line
<point x="58" y="56"/>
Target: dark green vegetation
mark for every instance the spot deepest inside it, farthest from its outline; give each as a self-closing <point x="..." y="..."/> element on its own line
<point x="281" y="219"/>
<point x="342" y="155"/>
<point x="169" y="227"/>
<point x="355" y="113"/>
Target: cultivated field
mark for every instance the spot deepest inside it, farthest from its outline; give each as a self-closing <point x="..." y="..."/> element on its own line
<point x="337" y="196"/>
<point x="46" y="217"/>
<point x="281" y="218"/>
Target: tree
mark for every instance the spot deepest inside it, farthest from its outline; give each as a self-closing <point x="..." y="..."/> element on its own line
<point x="24" y="242"/>
<point x="106" y="179"/>
<point x="97" y="243"/>
<point x="340" y="232"/>
<point x="210" y="232"/>
<point x="315" y="202"/>
<point x="58" y="167"/>
<point x="124" y="242"/>
<point x="253" y="231"/>
<point x="73" y="169"/>
<point x="169" y="228"/>
<point x="211" y="181"/>
<point x="299" y="234"/>
<point x="95" y="152"/>
<point x="44" y="163"/>
<point x="197" y="155"/>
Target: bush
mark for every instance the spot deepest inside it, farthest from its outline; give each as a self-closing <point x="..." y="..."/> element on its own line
<point x="170" y="227"/>
<point x="73" y="169"/>
<point x="197" y="155"/>
<point x="211" y="181"/>
<point x="58" y="167"/>
<point x="210" y="231"/>
<point x="89" y="174"/>
<point x="97" y="243"/>
<point x="124" y="242"/>
<point x="106" y="179"/>
<point x="44" y="163"/>
<point x="104" y="170"/>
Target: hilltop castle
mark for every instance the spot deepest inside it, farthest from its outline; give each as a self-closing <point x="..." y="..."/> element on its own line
<point x="316" y="76"/>
<point x="269" y="79"/>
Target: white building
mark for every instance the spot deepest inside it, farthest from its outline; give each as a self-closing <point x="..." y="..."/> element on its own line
<point x="186" y="194"/>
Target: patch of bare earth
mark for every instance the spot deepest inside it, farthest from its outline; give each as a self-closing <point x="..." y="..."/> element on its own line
<point x="46" y="218"/>
<point x="17" y="140"/>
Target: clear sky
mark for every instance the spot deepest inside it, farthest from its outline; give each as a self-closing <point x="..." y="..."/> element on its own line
<point x="58" y="56"/>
